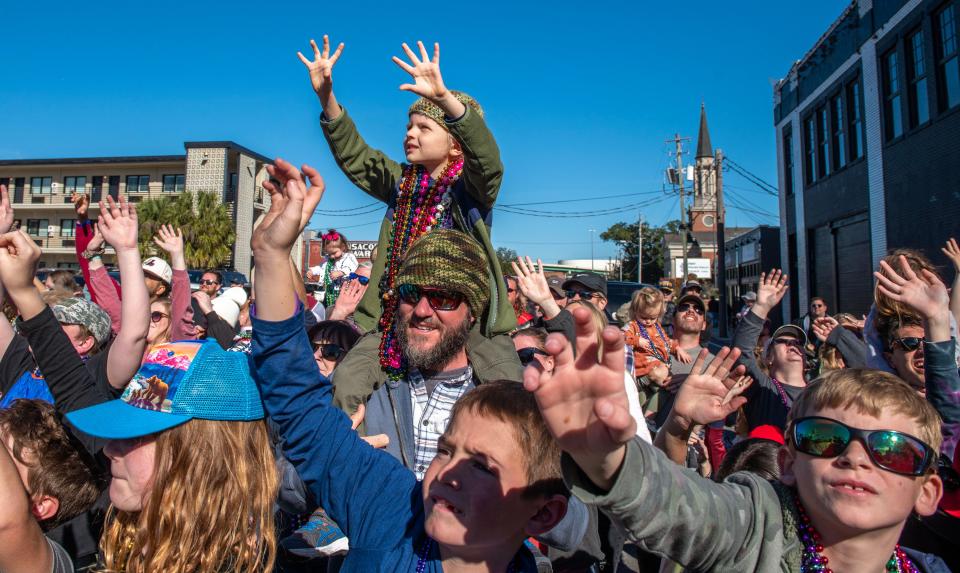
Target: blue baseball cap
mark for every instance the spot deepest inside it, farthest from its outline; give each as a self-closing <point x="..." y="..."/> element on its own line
<point x="177" y="382"/>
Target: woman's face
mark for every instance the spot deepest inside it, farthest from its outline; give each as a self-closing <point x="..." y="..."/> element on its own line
<point x="159" y="330"/>
<point x="131" y="467"/>
<point x="326" y="365"/>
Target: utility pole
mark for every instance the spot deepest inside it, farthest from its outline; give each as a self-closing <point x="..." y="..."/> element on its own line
<point x="640" y="248"/>
<point x="721" y="257"/>
<point x="678" y="141"/>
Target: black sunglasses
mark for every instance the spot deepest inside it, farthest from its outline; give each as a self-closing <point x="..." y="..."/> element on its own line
<point x="584" y="294"/>
<point x="788" y="342"/>
<point x="909" y="343"/>
<point x="157" y="316"/>
<point x="438" y="299"/>
<point x="208" y="282"/>
<point x="527" y="355"/>
<point x="890" y="450"/>
<point x="329" y="351"/>
<point x="362" y="279"/>
<point x="690" y="306"/>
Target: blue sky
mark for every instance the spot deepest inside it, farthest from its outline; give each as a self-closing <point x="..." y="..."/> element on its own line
<point x="580" y="100"/>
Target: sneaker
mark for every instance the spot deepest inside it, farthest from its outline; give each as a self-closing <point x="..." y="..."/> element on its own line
<point x="319" y="536"/>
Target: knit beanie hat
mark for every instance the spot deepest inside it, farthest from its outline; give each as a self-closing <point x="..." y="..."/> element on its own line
<point x="433" y="111"/>
<point x="450" y="260"/>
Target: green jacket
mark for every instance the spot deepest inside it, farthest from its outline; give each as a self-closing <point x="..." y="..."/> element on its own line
<point x="474" y="195"/>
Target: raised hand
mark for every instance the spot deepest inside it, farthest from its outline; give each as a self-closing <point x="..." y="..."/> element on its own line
<point x="771" y="290"/>
<point x="533" y="284"/>
<point x="118" y="224"/>
<point x="6" y="210"/>
<point x="584" y="401"/>
<point x="321" y="67"/>
<point x="822" y="327"/>
<point x="925" y="293"/>
<point x="350" y="294"/>
<point x="428" y="82"/>
<point x="81" y="202"/>
<point x="712" y="393"/>
<point x="169" y="239"/>
<point x="292" y="204"/>
<point x="96" y="241"/>
<point x="18" y="260"/>
<point x="952" y="251"/>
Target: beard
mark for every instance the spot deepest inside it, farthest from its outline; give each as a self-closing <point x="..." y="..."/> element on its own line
<point x="440" y="354"/>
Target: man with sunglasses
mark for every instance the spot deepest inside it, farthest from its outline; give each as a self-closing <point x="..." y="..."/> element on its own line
<point x="770" y="397"/>
<point x="818" y="309"/>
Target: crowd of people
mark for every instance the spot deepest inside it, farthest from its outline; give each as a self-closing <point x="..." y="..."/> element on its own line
<point x="427" y="413"/>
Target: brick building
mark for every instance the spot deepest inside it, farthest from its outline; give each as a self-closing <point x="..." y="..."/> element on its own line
<point x="868" y="147"/>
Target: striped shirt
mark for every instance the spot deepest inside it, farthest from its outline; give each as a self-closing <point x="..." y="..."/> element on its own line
<point x="431" y="410"/>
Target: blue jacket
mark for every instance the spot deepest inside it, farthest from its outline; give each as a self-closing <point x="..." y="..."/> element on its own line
<point x="374" y="499"/>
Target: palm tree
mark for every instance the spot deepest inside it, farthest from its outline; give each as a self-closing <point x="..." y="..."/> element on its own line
<point x="206" y="223"/>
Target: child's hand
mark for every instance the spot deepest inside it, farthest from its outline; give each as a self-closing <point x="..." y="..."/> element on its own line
<point x="952" y="251"/>
<point x="683" y="356"/>
<point x="118" y="224"/>
<point x="583" y="401"/>
<point x="321" y="68"/>
<point x="710" y="394"/>
<point x="427" y="81"/>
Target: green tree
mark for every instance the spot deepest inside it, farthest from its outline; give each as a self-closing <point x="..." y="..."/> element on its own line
<point x="504" y="256"/>
<point x="206" y="224"/>
<point x="625" y="236"/>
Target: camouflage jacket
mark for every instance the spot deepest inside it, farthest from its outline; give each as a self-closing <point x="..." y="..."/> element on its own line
<point x="743" y="524"/>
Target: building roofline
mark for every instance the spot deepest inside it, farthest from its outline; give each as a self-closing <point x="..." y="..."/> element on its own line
<point x="230" y="145"/>
<point x="96" y="160"/>
<point x="816" y="45"/>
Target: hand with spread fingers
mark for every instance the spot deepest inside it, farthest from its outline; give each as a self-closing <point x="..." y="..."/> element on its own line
<point x="118" y="224"/>
<point x="770" y="292"/>
<point x="952" y="251"/>
<point x="925" y="293"/>
<point x="292" y="205"/>
<point x="533" y="284"/>
<point x="584" y="401"/>
<point x="710" y="393"/>
<point x="321" y="74"/>
<point x="171" y="241"/>
<point x="427" y="80"/>
<point x="823" y="326"/>
<point x="350" y="294"/>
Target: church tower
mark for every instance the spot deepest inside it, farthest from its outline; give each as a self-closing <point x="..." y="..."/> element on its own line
<point x="703" y="212"/>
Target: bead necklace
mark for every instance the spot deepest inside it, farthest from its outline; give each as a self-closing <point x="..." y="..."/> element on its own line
<point x="425" y="555"/>
<point x="663" y="338"/>
<point x="783" y="393"/>
<point x="329" y="293"/>
<point x="418" y="209"/>
<point x="813" y="558"/>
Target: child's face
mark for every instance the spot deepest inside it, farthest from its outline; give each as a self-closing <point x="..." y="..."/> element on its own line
<point x="473" y="490"/>
<point x="650" y="314"/>
<point x="426" y="143"/>
<point x="828" y="486"/>
<point x="333" y="251"/>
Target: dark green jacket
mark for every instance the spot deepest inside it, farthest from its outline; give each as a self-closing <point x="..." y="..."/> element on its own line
<point x="474" y="195"/>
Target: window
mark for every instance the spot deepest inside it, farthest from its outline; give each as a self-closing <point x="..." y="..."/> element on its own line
<point x="788" y="161"/>
<point x="948" y="72"/>
<point x="893" y="122"/>
<point x="918" y="104"/>
<point x="837" y="142"/>
<point x="810" y="152"/>
<point x="231" y="191"/>
<point x="823" y="143"/>
<point x="41" y="185"/>
<point x="174" y="183"/>
<point x="37" y="227"/>
<point x="854" y="121"/>
<point x="67" y="227"/>
<point x="138" y="183"/>
<point x="73" y="185"/>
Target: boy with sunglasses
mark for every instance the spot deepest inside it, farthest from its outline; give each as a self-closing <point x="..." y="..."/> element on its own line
<point x="858" y="460"/>
<point x="770" y="398"/>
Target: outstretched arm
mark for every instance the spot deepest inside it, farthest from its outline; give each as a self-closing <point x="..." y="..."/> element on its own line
<point x="952" y="251"/>
<point x="181" y="310"/>
<point x="118" y="224"/>
<point x="321" y="75"/>
<point x="23" y="546"/>
<point x="533" y="285"/>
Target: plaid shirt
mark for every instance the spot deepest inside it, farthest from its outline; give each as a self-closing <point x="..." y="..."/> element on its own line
<point x="431" y="412"/>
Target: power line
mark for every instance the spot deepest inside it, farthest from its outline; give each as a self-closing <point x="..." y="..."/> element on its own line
<point x="635" y="194"/>
<point x="368" y="208"/>
<point x="756" y="180"/>
<point x="577" y="214"/>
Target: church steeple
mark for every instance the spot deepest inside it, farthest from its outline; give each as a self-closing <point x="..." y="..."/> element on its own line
<point x="704" y="148"/>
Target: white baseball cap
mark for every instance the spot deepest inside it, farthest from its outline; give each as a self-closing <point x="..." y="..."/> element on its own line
<point x="158" y="268"/>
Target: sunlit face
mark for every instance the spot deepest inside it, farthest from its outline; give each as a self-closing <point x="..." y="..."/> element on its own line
<point x="131" y="468"/>
<point x="82" y="343"/>
<point x="159" y="330"/>
<point x="512" y="290"/>
<point x="908" y="363"/>
<point x="472" y="491"/>
<point x="325" y="365"/>
<point x="426" y="142"/>
<point x="427" y="332"/>
<point x="783" y="351"/>
<point x="522" y="341"/>
<point x="209" y="284"/>
<point x="849" y="495"/>
<point x="333" y="251"/>
<point x="687" y="319"/>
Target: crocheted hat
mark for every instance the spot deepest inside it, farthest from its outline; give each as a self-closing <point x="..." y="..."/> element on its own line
<point x="433" y="111"/>
<point x="450" y="260"/>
